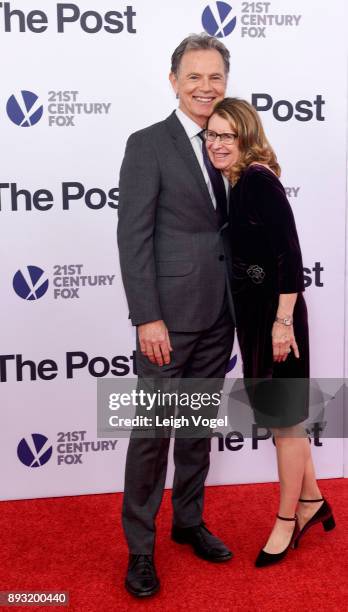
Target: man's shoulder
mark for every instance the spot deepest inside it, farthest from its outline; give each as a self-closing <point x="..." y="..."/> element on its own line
<point x="156" y="130"/>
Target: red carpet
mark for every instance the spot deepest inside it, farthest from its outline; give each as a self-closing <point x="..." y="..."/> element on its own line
<point x="76" y="544"/>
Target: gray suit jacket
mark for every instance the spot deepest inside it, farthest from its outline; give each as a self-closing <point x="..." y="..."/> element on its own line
<point x="171" y="253"/>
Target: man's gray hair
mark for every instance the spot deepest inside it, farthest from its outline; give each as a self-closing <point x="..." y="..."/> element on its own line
<point x="197" y="42"/>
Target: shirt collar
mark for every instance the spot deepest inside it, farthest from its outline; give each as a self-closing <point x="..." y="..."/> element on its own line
<point x="191" y="128"/>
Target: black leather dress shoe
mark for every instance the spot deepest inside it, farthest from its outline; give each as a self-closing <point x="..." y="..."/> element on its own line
<point x="141" y="579"/>
<point x="204" y="543"/>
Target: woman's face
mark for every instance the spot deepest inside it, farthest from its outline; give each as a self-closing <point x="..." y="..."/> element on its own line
<point x="222" y="153"/>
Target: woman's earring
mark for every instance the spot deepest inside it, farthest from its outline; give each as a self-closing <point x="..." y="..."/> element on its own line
<point x="177" y="96"/>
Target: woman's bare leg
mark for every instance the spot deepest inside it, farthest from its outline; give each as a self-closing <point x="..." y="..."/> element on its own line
<point x="309" y="490"/>
<point x="295" y="468"/>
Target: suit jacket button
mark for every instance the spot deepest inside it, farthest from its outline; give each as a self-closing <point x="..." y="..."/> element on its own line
<point x="221" y="257"/>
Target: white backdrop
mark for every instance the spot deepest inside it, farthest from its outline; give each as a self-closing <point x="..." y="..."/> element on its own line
<point x="94" y="87"/>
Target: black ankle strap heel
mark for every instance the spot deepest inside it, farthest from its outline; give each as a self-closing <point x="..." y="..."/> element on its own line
<point x="323" y="515"/>
<point x="263" y="559"/>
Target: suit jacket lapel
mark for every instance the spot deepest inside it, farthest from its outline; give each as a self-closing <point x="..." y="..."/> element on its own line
<point x="187" y="153"/>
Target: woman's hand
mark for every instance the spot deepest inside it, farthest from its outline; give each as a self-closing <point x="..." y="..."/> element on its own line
<point x="283" y="340"/>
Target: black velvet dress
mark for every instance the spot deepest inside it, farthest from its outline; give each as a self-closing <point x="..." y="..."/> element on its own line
<point x="266" y="261"/>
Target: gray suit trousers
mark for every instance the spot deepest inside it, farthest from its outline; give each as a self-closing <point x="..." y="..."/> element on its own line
<point x="203" y="354"/>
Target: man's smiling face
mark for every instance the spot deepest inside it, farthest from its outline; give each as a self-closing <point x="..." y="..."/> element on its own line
<point x="200" y="83"/>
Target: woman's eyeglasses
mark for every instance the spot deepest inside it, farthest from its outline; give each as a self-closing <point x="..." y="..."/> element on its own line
<point x="226" y="137"/>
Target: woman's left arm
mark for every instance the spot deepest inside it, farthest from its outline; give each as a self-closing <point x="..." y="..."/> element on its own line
<point x="283" y="337"/>
<point x="273" y="208"/>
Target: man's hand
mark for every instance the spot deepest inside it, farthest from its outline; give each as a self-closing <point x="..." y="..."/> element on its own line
<point x="155" y="342"/>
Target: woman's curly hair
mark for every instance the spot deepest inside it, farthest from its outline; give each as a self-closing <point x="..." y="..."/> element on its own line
<point x="252" y="142"/>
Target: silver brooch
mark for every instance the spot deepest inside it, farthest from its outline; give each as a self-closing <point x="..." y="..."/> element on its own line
<point x="256" y="273"/>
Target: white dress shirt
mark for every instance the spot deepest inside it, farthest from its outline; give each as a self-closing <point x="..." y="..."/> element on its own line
<point x="192" y="130"/>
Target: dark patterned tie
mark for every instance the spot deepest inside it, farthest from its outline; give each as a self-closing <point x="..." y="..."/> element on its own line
<point x="218" y="185"/>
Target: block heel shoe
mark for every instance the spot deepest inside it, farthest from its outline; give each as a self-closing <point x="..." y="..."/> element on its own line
<point x="323" y="515"/>
<point x="264" y="559"/>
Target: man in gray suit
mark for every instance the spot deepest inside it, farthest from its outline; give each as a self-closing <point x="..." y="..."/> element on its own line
<point x="172" y="207"/>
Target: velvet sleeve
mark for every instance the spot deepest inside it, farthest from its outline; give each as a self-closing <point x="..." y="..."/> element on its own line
<point x="266" y="196"/>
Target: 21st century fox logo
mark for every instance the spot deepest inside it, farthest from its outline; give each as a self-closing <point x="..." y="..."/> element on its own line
<point x="36" y="450"/>
<point x="66" y="18"/>
<point x="256" y="19"/>
<point x="31" y="283"/>
<point x="63" y="108"/>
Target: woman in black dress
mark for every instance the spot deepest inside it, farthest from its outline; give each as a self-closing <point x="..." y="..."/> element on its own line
<point x="267" y="286"/>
